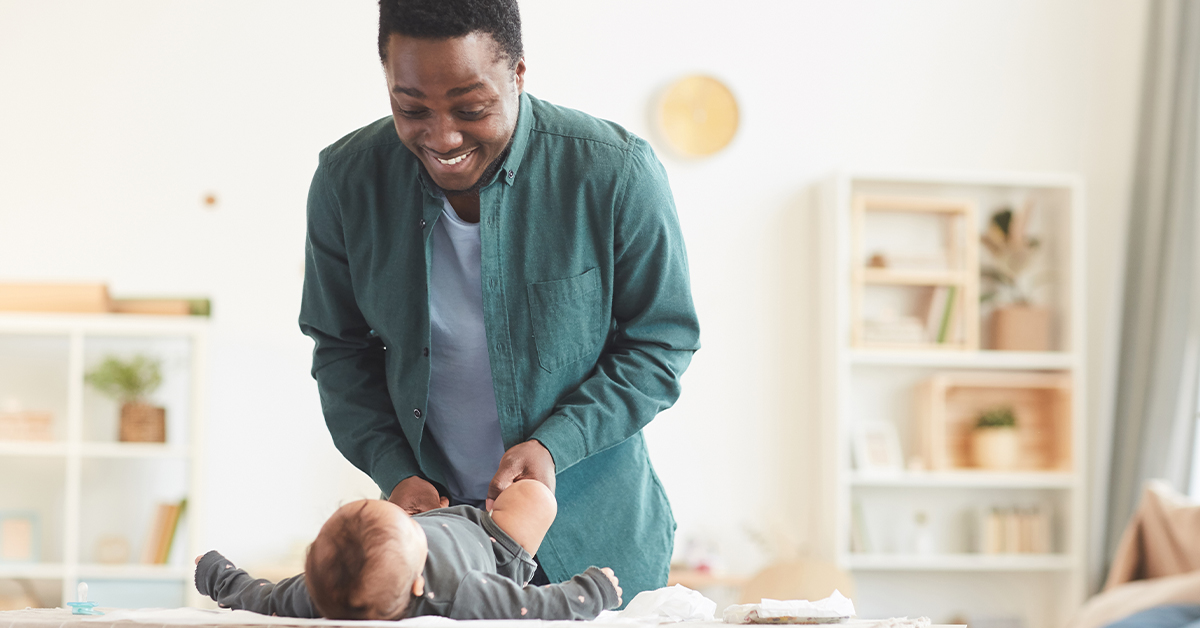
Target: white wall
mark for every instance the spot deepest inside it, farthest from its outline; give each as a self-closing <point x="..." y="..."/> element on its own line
<point x="117" y="117"/>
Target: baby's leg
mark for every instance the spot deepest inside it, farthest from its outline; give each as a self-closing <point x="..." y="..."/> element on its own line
<point x="525" y="511"/>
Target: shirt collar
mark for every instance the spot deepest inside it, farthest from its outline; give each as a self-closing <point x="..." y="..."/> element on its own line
<point x="520" y="141"/>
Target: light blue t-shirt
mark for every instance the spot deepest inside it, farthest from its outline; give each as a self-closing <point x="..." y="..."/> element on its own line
<point x="461" y="415"/>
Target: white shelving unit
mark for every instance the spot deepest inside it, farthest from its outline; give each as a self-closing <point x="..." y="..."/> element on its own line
<point x="85" y="484"/>
<point x="953" y="580"/>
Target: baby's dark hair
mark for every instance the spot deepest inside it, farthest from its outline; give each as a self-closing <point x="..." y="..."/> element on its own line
<point x="350" y="548"/>
<point x="446" y="19"/>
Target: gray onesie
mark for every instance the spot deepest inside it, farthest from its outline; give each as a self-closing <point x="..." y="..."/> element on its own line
<point x="473" y="571"/>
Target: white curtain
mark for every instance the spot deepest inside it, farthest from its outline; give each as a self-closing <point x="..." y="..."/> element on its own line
<point x="1155" y="405"/>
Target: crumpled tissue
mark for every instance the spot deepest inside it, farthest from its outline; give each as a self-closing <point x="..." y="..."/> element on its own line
<point x="832" y="609"/>
<point x="669" y="604"/>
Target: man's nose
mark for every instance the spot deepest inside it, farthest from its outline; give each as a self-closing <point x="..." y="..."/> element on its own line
<point x="444" y="135"/>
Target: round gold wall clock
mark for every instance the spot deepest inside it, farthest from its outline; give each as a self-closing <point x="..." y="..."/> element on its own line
<point x="698" y="115"/>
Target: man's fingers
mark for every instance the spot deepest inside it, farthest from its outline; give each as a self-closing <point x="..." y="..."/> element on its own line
<point x="489" y="504"/>
<point x="502" y="480"/>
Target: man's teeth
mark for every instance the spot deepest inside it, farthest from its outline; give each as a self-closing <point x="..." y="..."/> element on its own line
<point x="451" y="162"/>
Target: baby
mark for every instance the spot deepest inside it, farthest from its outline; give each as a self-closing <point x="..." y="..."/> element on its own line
<point x="371" y="560"/>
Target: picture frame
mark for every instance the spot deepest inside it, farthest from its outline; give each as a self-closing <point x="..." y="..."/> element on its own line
<point x="20" y="537"/>
<point x="877" y="447"/>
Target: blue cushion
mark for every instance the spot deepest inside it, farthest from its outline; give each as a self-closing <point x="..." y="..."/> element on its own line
<point x="1172" y="616"/>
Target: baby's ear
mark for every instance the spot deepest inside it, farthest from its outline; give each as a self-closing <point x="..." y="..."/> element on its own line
<point x="418" y="588"/>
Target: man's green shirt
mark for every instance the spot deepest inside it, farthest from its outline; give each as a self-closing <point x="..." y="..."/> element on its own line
<point x="587" y="309"/>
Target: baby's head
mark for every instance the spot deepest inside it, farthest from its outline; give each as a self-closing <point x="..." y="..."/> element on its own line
<point x="366" y="562"/>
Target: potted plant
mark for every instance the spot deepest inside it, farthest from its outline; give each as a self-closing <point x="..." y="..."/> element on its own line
<point x="994" y="443"/>
<point x="1017" y="324"/>
<point x="131" y="382"/>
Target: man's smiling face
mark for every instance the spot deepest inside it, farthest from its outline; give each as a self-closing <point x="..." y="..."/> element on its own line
<point x="454" y="103"/>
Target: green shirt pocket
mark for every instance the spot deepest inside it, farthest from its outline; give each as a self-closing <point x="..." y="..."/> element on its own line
<point x="567" y="318"/>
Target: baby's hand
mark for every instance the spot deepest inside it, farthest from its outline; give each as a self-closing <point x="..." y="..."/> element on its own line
<point x="613" y="579"/>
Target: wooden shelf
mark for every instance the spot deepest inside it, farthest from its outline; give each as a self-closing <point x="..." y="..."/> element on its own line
<point x="1019" y="360"/>
<point x="965" y="479"/>
<point x="132" y="450"/>
<point x="959" y="562"/>
<point x="949" y="403"/>
<point x="14" y="323"/>
<point x="135" y="572"/>
<point x="895" y="277"/>
<point x="32" y="571"/>
<point x="32" y="448"/>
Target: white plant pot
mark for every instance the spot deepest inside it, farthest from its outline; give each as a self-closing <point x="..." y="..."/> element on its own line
<point x="995" y="448"/>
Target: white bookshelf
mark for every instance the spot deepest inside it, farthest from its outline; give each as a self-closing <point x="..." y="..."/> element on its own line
<point x="85" y="485"/>
<point x="954" y="579"/>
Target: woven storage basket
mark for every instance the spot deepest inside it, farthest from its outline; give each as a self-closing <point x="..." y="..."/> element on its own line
<point x="143" y="423"/>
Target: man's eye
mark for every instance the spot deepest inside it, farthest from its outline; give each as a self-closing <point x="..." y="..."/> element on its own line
<point x="410" y="113"/>
<point x="471" y="115"/>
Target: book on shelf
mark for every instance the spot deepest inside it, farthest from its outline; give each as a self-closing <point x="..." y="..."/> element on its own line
<point x="163" y="307"/>
<point x="160" y="537"/>
<point x="939" y="317"/>
<point x="1015" y="531"/>
<point x="860" y="539"/>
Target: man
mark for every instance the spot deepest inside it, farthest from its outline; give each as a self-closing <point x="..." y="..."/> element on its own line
<point x="497" y="290"/>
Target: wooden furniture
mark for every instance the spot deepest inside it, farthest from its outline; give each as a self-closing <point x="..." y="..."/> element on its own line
<point x="911" y="537"/>
<point x="948" y="404"/>
<point x="952" y="265"/>
<point x="88" y="490"/>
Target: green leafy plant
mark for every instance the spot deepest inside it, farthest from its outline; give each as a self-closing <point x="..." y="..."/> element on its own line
<point x="127" y="381"/>
<point x="1012" y="252"/>
<point x="997" y="417"/>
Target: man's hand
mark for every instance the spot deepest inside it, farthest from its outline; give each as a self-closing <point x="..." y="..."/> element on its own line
<point x="415" y="495"/>
<point x="613" y="579"/>
<point x="529" y="460"/>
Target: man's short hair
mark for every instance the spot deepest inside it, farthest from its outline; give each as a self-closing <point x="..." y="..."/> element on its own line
<point x="447" y="19"/>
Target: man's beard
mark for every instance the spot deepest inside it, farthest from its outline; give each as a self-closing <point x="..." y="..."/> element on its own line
<point x="487" y="175"/>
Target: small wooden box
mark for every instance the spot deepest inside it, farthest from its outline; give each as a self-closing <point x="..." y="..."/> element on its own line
<point x="948" y="404"/>
<point x="950" y="285"/>
<point x="49" y="297"/>
<point x="27" y="425"/>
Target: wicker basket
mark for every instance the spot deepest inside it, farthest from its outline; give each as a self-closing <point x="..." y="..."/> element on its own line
<point x="143" y="423"/>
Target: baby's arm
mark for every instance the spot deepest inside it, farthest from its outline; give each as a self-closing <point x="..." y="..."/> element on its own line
<point x="231" y="587"/>
<point x="525" y="511"/>
<point x="492" y="596"/>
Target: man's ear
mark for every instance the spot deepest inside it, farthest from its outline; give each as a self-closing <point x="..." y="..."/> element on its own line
<point x="418" y="588"/>
<point x="520" y="75"/>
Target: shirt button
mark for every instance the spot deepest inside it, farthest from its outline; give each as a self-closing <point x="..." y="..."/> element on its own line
<point x="417" y="412"/>
<point x="511" y="174"/>
<point x="425" y="352"/>
<point x="422" y="223"/>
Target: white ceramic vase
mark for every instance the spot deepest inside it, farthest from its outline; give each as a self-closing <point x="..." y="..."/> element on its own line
<point x="995" y="448"/>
